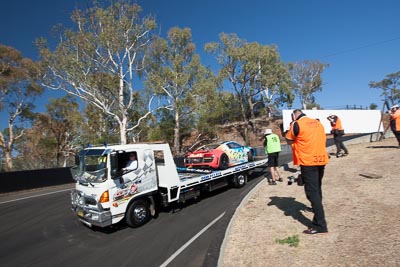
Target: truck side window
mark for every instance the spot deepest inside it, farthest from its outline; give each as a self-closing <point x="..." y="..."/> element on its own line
<point x="159" y="157"/>
<point x="131" y="162"/>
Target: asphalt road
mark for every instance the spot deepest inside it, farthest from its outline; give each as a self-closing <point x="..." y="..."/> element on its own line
<point x="37" y="228"/>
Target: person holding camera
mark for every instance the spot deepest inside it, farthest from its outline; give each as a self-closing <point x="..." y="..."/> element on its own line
<point x="395" y="122"/>
<point x="272" y="145"/>
<point x="308" y="140"/>
<point x="338" y="132"/>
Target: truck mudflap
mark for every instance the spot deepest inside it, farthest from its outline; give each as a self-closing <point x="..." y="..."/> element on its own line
<point x="88" y="211"/>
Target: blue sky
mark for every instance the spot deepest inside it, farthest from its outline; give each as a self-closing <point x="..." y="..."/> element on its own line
<point x="359" y="39"/>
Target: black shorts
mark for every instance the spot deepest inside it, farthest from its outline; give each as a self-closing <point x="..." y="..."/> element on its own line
<point x="273" y="159"/>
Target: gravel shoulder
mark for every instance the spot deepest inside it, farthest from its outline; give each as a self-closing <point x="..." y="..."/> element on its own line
<point x="361" y="201"/>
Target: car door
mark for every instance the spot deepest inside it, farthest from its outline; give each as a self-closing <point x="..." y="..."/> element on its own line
<point x="237" y="153"/>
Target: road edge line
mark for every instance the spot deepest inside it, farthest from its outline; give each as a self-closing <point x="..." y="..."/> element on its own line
<point x="182" y="248"/>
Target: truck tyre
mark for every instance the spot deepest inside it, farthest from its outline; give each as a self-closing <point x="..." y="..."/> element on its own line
<point x="239" y="179"/>
<point x="138" y="213"/>
<point x="223" y="162"/>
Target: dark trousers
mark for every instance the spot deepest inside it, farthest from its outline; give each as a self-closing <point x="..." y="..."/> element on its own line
<point x="338" y="138"/>
<point x="312" y="177"/>
<point x="397" y="134"/>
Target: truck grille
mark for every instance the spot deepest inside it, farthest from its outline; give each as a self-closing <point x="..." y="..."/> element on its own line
<point x="81" y="200"/>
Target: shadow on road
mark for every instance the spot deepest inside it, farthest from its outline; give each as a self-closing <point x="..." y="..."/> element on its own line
<point x="287" y="168"/>
<point x="291" y="207"/>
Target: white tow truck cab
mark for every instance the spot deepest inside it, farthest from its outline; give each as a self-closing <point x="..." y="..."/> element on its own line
<point x="105" y="193"/>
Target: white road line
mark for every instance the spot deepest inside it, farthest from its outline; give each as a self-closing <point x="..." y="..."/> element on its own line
<point x="18" y="199"/>
<point x="173" y="256"/>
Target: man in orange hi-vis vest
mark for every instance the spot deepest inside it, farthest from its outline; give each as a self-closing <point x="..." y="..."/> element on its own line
<point x="338" y="132"/>
<point x="308" y="140"/>
<point x="395" y="122"/>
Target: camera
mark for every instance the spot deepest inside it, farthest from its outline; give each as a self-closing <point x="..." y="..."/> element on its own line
<point x="291" y="180"/>
<point x="299" y="180"/>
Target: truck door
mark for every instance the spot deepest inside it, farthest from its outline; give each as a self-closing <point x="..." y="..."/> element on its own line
<point x="134" y="181"/>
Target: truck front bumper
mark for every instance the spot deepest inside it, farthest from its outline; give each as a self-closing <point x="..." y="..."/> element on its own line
<point x="88" y="210"/>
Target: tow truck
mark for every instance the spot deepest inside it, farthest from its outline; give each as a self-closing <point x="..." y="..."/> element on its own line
<point x="105" y="194"/>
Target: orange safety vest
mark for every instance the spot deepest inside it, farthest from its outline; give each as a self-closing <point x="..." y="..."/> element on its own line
<point x="309" y="147"/>
<point x="337" y="125"/>
<point x="396" y="118"/>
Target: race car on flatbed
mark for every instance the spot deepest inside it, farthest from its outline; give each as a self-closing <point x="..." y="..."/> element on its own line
<point x="219" y="155"/>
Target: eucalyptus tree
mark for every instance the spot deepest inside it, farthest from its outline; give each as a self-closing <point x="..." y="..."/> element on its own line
<point x="63" y="119"/>
<point x="36" y="149"/>
<point x="176" y="73"/>
<point x="306" y="80"/>
<point x="268" y="76"/>
<point x="98" y="127"/>
<point x="255" y="72"/>
<point x="390" y="86"/>
<point x="225" y="110"/>
<point x="18" y="90"/>
<point x="51" y="141"/>
<point x="101" y="60"/>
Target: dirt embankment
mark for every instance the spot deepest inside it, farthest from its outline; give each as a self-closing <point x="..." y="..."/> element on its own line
<point x="363" y="216"/>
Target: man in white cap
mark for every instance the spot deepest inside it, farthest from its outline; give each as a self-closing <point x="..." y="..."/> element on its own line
<point x="272" y="145"/>
<point x="395" y="122"/>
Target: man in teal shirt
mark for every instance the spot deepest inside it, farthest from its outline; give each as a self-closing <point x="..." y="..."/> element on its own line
<point x="272" y="145"/>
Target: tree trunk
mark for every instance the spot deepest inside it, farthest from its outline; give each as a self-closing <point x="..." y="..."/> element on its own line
<point x="177" y="146"/>
<point x="251" y="105"/>
<point x="58" y="158"/>
<point x="246" y="122"/>
<point x="7" y="148"/>
<point x="65" y="162"/>
<point x="124" y="121"/>
<point x="8" y="164"/>
<point x="122" y="130"/>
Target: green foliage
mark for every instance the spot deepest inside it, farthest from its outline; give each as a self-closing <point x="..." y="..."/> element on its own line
<point x="63" y="122"/>
<point x="18" y="89"/>
<point x="292" y="241"/>
<point x="175" y="73"/>
<point x="390" y="87"/>
<point x="220" y="108"/>
<point x="306" y="80"/>
<point x="373" y="106"/>
<point x="98" y="128"/>
<point x="101" y="59"/>
<point x="162" y="129"/>
<point x="256" y="73"/>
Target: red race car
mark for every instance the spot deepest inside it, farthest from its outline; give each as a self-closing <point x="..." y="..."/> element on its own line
<point x="219" y="155"/>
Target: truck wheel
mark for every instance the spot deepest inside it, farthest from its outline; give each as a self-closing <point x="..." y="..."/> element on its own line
<point x="223" y="162"/>
<point x="239" y="180"/>
<point x="138" y="213"/>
